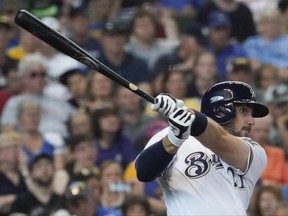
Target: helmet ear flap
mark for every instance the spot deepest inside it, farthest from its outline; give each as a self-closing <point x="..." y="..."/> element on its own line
<point x="224" y="113"/>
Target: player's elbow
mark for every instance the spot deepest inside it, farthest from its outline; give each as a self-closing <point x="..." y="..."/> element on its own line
<point x="142" y="173"/>
<point x="144" y="178"/>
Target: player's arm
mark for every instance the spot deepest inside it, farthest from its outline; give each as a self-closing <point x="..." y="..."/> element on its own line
<point x="152" y="161"/>
<point x="230" y="148"/>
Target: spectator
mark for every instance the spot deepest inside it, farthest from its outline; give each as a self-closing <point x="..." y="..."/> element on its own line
<point x="202" y="76"/>
<point x="282" y="7"/>
<point x="258" y="6"/>
<point x="111" y="142"/>
<point x="83" y="154"/>
<point x="219" y="43"/>
<point x="133" y="118"/>
<point x="239" y="69"/>
<point x="40" y="199"/>
<point x="275" y="170"/>
<point x="6" y="29"/>
<point x="12" y="181"/>
<point x="136" y="205"/>
<point x="54" y="113"/>
<point x="28" y="44"/>
<point x="76" y="82"/>
<point x="79" y="30"/>
<point x="79" y="124"/>
<point x="265" y="76"/>
<point x="12" y="86"/>
<point x="276" y="98"/>
<point x="270" y="45"/>
<point x="167" y="28"/>
<point x="114" y="190"/>
<point x="281" y="209"/>
<point x="79" y="201"/>
<point x="151" y="190"/>
<point x="9" y="9"/>
<point x="57" y="63"/>
<point x="241" y="16"/>
<point x="174" y="83"/>
<point x="92" y="180"/>
<point x="265" y="199"/>
<point x="113" y="55"/>
<point x="100" y="91"/>
<point x="99" y="13"/>
<point x="182" y="58"/>
<point x="143" y="42"/>
<point x="34" y="142"/>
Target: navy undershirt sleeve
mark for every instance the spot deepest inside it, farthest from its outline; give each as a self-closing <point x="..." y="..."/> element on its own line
<point x="151" y="162"/>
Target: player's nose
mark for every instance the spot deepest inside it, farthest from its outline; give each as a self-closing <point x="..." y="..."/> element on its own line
<point x="250" y="120"/>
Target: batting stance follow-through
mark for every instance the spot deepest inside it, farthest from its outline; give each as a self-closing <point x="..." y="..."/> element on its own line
<point x="204" y="161"/>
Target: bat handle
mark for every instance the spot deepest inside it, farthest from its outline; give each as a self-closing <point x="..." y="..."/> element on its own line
<point x="149" y="98"/>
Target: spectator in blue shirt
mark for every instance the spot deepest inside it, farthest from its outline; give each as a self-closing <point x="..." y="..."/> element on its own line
<point x="113" y="55"/>
<point x="219" y="42"/>
<point x="270" y="46"/>
<point x="79" y="24"/>
<point x="112" y="143"/>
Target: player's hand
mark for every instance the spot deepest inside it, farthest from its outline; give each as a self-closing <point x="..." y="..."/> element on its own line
<point x="180" y="122"/>
<point x="166" y="104"/>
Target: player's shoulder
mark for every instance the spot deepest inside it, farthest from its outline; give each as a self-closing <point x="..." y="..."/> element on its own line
<point x="250" y="141"/>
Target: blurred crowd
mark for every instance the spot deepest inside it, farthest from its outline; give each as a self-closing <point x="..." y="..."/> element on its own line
<point x="69" y="135"/>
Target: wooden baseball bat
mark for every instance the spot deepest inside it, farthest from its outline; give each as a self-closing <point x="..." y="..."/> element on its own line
<point x="60" y="42"/>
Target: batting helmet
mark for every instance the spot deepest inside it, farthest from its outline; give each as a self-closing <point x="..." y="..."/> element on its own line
<point x="218" y="101"/>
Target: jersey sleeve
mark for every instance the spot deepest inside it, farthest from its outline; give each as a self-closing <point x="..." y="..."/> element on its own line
<point x="257" y="160"/>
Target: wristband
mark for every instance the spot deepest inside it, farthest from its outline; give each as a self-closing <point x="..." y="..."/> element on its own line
<point x="199" y="124"/>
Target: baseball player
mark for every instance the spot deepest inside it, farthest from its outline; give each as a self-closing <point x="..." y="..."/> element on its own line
<point x="204" y="161"/>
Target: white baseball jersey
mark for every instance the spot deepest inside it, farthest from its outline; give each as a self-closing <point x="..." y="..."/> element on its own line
<point x="198" y="182"/>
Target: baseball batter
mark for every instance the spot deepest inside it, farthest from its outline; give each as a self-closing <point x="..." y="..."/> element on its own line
<point x="204" y="161"/>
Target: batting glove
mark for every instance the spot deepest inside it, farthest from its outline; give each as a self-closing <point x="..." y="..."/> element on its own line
<point x="166" y="104"/>
<point x="180" y="122"/>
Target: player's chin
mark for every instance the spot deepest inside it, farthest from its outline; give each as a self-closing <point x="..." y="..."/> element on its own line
<point x="244" y="132"/>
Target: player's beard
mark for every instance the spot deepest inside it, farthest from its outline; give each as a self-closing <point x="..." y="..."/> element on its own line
<point x="230" y="129"/>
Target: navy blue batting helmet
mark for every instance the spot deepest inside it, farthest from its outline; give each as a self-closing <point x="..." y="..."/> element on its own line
<point x="218" y="101"/>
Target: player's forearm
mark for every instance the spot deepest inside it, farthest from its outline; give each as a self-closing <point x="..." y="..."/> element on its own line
<point x="213" y="135"/>
<point x="152" y="161"/>
<point x="225" y="145"/>
<point x="168" y="146"/>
